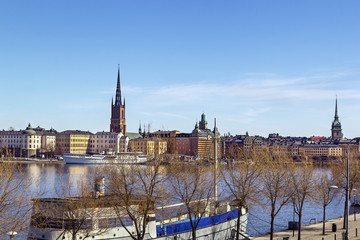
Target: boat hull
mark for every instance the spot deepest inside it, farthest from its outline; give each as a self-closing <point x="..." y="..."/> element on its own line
<point x="121" y="159"/>
<point x="221" y="231"/>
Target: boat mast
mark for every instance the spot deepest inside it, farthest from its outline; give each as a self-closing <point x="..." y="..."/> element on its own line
<point x="215" y="169"/>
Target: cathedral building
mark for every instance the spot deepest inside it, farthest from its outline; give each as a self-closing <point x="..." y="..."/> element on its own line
<point x="336" y="133"/>
<point x="118" y="120"/>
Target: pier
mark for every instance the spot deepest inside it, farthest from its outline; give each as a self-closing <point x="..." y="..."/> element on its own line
<point x="314" y="231"/>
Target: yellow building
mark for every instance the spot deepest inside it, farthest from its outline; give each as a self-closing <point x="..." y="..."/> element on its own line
<point x="319" y="150"/>
<point x="169" y="137"/>
<point x="73" y="141"/>
<point x="150" y="146"/>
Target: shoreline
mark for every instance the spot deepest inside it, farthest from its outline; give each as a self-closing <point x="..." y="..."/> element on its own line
<point x="314" y="231"/>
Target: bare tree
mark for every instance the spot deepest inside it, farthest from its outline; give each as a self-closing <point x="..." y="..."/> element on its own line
<point x="339" y="172"/>
<point x="324" y="193"/>
<point x="276" y="182"/>
<point x="15" y="195"/>
<point x="302" y="183"/>
<point x="75" y="213"/>
<point x="191" y="185"/>
<point x="242" y="183"/>
<point x="136" y="188"/>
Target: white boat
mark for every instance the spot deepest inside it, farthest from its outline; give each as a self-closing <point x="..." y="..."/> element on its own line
<point x="82" y="158"/>
<point x="50" y="220"/>
<point x="121" y="158"/>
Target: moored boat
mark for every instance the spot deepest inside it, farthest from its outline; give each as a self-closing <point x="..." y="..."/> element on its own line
<point x="121" y="158"/>
<point x="58" y="218"/>
<point x="82" y="158"/>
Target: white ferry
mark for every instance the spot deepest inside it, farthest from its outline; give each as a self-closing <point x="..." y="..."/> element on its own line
<point x="121" y="158"/>
<point x="82" y="158"/>
<point x="52" y="219"/>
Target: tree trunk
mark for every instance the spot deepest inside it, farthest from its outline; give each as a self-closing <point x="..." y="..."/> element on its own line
<point x="324" y="217"/>
<point x="194" y="234"/>
<point x="299" y="230"/>
<point x="272" y="226"/>
<point x="238" y="223"/>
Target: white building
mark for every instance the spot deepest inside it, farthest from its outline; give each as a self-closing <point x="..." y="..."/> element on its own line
<point x="108" y="142"/>
<point x="24" y="143"/>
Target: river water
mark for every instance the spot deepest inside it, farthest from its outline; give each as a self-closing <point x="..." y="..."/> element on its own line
<point x="50" y="177"/>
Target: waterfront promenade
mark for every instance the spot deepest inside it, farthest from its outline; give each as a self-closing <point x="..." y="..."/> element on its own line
<point x="314" y="231"/>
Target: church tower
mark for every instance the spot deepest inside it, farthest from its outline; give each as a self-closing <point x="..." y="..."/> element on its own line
<point x="336" y="126"/>
<point x="203" y="123"/>
<point x="118" y="123"/>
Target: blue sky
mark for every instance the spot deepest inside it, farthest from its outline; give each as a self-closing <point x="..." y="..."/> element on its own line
<point x="257" y="66"/>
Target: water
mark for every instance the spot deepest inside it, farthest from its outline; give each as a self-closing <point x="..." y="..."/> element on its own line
<point x="52" y="177"/>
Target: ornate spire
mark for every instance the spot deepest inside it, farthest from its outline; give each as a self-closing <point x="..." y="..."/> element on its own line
<point x="336" y="111"/>
<point x="118" y="90"/>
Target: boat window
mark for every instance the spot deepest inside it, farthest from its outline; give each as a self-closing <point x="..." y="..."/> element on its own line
<point x="78" y="223"/>
<point x="46" y="222"/>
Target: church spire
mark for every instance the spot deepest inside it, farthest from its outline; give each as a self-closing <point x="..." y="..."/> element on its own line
<point x="336" y="111"/>
<point x="118" y="90"/>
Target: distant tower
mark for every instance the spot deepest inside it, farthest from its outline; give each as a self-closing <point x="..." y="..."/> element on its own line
<point x="118" y="123"/>
<point x="203" y="122"/>
<point x="336" y="126"/>
<point x="140" y="128"/>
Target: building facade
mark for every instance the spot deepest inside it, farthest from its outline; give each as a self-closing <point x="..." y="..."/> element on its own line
<point x="25" y="143"/>
<point x="149" y="146"/>
<point x="199" y="143"/>
<point x="73" y="141"/>
<point x="108" y="143"/>
<point x="320" y="150"/>
<point x="168" y="136"/>
<point x="118" y="120"/>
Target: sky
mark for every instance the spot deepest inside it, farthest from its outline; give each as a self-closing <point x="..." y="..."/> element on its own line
<point x="257" y="66"/>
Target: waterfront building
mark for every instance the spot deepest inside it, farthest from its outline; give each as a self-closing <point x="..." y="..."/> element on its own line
<point x="168" y="136"/>
<point x="149" y="146"/>
<point x="23" y="143"/>
<point x="118" y="120"/>
<point x="108" y="143"/>
<point x="198" y="143"/>
<point x="320" y="150"/>
<point x="336" y="133"/>
<point x="48" y="141"/>
<point x="73" y="141"/>
<point x="183" y="144"/>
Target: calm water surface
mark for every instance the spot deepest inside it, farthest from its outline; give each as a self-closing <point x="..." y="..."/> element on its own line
<point x="52" y="177"/>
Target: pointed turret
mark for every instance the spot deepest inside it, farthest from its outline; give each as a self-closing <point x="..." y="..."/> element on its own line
<point x="140" y="128"/>
<point x="336" y="131"/>
<point x="118" y="90"/>
<point x="336" y="111"/>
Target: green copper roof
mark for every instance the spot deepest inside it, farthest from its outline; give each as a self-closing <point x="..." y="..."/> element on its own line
<point x="29" y="130"/>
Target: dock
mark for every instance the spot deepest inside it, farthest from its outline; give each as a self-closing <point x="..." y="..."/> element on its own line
<point x="314" y="231"/>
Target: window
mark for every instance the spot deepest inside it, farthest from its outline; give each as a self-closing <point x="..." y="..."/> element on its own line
<point x="78" y="223"/>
